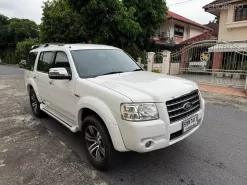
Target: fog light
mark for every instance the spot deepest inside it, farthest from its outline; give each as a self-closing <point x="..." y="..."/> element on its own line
<point x="148" y="144"/>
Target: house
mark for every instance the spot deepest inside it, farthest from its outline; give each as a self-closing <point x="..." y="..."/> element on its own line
<point x="233" y="18"/>
<point x="230" y="52"/>
<point x="178" y="29"/>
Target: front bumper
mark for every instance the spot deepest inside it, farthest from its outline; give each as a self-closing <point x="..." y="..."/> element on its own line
<point x="136" y="134"/>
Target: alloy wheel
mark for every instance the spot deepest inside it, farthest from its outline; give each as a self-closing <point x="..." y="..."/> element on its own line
<point x="34" y="102"/>
<point x="94" y="143"/>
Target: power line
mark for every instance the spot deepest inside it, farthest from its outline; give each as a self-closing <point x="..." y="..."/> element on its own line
<point x="180" y="3"/>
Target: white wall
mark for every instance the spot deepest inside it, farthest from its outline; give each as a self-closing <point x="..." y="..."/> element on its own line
<point x="230" y="30"/>
<point x="194" y="31"/>
<point x="189" y="30"/>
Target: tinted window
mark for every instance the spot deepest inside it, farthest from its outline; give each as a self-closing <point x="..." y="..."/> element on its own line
<point x="31" y="61"/>
<point x="92" y="63"/>
<point x="45" y="61"/>
<point x="62" y="60"/>
<point x="179" y="30"/>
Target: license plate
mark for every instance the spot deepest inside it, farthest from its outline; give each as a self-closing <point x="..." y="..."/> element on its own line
<point x="190" y="123"/>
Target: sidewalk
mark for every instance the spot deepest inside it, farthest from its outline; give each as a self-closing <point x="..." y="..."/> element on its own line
<point x="224" y="96"/>
<point x="223" y="90"/>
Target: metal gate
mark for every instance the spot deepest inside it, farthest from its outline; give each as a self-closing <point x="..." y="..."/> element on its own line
<point x="211" y="62"/>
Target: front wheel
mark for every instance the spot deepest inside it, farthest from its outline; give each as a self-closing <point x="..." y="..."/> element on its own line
<point x="35" y="104"/>
<point x="97" y="143"/>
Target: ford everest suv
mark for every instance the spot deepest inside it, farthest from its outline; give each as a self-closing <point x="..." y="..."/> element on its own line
<point x="117" y="106"/>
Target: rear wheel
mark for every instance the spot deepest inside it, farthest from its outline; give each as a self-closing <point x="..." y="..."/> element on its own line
<point x="97" y="143"/>
<point x="35" y="104"/>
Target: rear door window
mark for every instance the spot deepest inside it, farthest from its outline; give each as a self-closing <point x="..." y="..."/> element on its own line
<point x="45" y="61"/>
<point x="31" y="61"/>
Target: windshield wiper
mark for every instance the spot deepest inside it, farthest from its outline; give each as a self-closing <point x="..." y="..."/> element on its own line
<point x="111" y="73"/>
<point x="138" y="70"/>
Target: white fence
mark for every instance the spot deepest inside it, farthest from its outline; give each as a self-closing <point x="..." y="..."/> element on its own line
<point x="174" y="68"/>
<point x="163" y="67"/>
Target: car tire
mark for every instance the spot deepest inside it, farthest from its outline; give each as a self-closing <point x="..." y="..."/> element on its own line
<point x="35" y="104"/>
<point x="97" y="143"/>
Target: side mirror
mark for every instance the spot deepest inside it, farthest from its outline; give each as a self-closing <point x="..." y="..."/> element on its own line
<point x="59" y="74"/>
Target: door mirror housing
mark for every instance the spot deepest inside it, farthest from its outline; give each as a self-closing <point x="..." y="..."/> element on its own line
<point x="59" y="74"/>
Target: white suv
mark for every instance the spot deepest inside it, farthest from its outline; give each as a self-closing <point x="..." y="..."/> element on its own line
<point x="116" y="105"/>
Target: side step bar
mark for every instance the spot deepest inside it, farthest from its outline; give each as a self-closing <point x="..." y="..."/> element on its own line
<point x="72" y="128"/>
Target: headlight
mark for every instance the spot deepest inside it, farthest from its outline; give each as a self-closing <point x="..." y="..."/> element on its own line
<point x="139" y="111"/>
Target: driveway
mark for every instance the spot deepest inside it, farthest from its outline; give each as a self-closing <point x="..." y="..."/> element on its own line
<point x="44" y="152"/>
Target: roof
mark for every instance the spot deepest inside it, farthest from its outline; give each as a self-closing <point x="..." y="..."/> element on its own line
<point x="214" y="27"/>
<point x="203" y="36"/>
<point x="72" y="47"/>
<point x="172" y="15"/>
<point x="217" y="2"/>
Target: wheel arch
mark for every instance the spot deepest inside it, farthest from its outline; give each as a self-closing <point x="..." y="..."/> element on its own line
<point x="31" y="84"/>
<point x="93" y="106"/>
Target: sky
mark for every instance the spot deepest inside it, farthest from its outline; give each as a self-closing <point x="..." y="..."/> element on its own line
<point x="32" y="9"/>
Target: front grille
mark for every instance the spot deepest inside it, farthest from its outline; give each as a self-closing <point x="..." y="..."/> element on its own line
<point x="175" y="106"/>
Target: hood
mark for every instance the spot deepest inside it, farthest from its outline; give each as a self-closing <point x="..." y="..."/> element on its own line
<point x="145" y="86"/>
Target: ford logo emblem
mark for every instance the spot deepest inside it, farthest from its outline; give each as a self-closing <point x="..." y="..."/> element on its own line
<point x="187" y="106"/>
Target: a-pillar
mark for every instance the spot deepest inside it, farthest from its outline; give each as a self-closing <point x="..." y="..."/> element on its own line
<point x="150" y="60"/>
<point x="217" y="62"/>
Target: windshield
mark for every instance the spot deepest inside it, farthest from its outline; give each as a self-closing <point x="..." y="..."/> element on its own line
<point x="93" y="63"/>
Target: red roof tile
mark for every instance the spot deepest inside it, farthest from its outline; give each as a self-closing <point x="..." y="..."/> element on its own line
<point x="203" y="36"/>
<point x="172" y="15"/>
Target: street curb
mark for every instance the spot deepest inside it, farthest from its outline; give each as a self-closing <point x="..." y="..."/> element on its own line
<point x="225" y="100"/>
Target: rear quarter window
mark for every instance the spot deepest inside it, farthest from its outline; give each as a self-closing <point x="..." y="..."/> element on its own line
<point x="31" y="60"/>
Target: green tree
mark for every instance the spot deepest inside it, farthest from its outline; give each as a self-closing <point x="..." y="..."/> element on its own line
<point x="15" y="30"/>
<point x="4" y="22"/>
<point x="150" y="14"/>
<point x="20" y="29"/>
<point x="24" y="47"/>
<point x="108" y="21"/>
<point x="61" y="24"/>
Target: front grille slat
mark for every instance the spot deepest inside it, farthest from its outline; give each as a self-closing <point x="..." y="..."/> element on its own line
<point x="175" y="106"/>
<point x="182" y="101"/>
<point x="184" y="112"/>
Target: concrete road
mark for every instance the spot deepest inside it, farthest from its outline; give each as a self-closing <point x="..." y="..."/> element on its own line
<point x="215" y="154"/>
<point x="10" y="70"/>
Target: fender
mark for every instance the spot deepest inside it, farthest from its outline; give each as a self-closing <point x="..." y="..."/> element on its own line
<point x="106" y="115"/>
<point x="31" y="82"/>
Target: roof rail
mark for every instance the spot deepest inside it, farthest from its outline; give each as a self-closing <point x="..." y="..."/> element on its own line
<point x="57" y="44"/>
<point x="46" y="45"/>
<point x="35" y="46"/>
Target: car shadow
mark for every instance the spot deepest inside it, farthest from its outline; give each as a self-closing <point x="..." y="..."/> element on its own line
<point x="130" y="168"/>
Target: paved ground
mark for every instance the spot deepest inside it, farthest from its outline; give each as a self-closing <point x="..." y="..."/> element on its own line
<point x="223" y="90"/>
<point x="10" y="70"/>
<point x="213" y="79"/>
<point x="29" y="153"/>
<point x="44" y="152"/>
